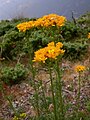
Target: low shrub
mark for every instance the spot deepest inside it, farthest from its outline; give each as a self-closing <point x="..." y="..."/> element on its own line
<point x="75" y="50"/>
<point x="13" y="75"/>
<point x="10" y="42"/>
<point x="70" y="31"/>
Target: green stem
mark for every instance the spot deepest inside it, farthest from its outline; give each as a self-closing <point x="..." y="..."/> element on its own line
<point x="33" y="70"/>
<point x="79" y="88"/>
<point x="9" y="100"/>
<point x="53" y="97"/>
<point x="60" y="88"/>
<point x="79" y="83"/>
<point x="44" y="96"/>
<point x="11" y="105"/>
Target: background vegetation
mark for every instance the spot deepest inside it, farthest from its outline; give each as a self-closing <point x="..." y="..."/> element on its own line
<point x="73" y="35"/>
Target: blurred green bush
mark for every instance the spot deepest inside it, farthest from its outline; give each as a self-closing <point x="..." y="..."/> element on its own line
<point x="13" y="75"/>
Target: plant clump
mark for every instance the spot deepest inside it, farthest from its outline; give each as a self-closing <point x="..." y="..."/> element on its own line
<point x="13" y="75"/>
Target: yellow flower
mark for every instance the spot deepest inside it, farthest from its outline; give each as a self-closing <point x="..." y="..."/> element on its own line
<point x="23" y="115"/>
<point x="59" y="45"/>
<point x="61" y="51"/>
<point x="50" y="44"/>
<point x="88" y="35"/>
<point x="51" y="51"/>
<point x="54" y="51"/>
<point x="15" y="118"/>
<point x="40" y="55"/>
<point x="80" y="68"/>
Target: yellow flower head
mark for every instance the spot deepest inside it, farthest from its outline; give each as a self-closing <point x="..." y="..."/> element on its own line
<point x="51" y="51"/>
<point x="59" y="45"/>
<point x="80" y="68"/>
<point x="15" y="118"/>
<point x="88" y="35"/>
<point x="51" y="44"/>
<point x="23" y="115"/>
<point x="40" y="55"/>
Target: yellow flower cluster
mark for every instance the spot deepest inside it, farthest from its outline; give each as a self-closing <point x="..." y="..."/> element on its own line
<point x="51" y="51"/>
<point x="80" y="68"/>
<point x="15" y="118"/>
<point x="89" y="36"/>
<point x="25" y="26"/>
<point x="45" y="21"/>
<point x="22" y="115"/>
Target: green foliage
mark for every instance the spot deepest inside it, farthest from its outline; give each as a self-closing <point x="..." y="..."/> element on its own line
<point x="13" y="75"/>
<point x="4" y="28"/>
<point x="75" y="50"/>
<point x="71" y="31"/>
<point x="88" y="106"/>
<point x="77" y="116"/>
<point x="10" y="42"/>
<point x="84" y="20"/>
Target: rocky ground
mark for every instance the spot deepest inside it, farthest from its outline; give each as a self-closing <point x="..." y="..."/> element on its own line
<point x="21" y="93"/>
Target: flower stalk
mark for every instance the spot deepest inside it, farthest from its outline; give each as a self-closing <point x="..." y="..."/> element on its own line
<point x="33" y="71"/>
<point x="79" y="85"/>
<point x="60" y="89"/>
<point x="44" y="97"/>
<point x="52" y="90"/>
<point x="9" y="100"/>
<point x="79" y="69"/>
